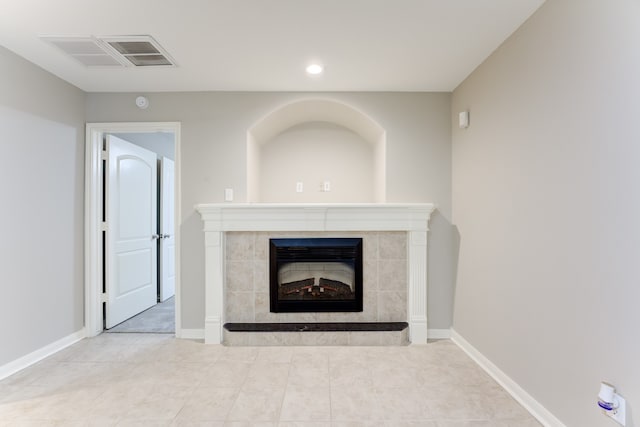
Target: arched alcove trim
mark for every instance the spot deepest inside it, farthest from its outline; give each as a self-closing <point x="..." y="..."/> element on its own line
<point x="315" y="110"/>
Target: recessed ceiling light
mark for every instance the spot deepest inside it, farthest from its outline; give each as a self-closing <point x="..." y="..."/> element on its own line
<point x="314" y="69"/>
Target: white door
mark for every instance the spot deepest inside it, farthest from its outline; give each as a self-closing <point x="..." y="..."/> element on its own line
<point x="167" y="231"/>
<point x="131" y="263"/>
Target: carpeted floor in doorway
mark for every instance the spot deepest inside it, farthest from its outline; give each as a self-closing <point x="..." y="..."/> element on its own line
<point x="159" y="319"/>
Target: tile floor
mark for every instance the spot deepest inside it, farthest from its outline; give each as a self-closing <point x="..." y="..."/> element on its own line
<point x="156" y="380"/>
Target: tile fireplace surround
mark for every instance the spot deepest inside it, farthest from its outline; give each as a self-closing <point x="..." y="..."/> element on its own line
<point x="236" y="257"/>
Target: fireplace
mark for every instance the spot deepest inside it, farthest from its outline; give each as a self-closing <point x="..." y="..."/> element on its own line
<point x="256" y="223"/>
<point x="315" y="275"/>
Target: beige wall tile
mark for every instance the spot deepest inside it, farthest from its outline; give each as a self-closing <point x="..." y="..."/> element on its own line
<point x="392" y="275"/>
<point x="248" y="273"/>
<point x="240" y="307"/>
<point x="392" y="306"/>
<point x="239" y="276"/>
<point x="393" y="245"/>
<point x="239" y="245"/>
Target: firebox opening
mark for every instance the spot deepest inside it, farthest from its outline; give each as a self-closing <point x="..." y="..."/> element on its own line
<point x="316" y="275"/>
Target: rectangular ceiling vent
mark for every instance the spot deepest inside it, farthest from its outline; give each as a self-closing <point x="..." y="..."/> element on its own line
<point x="114" y="51"/>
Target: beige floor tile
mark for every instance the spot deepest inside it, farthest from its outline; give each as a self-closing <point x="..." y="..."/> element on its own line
<point x="274" y="355"/>
<point x="240" y="354"/>
<point x="359" y="424"/>
<point x="423" y="423"/>
<point x="304" y="424"/>
<point x="469" y="423"/>
<point x="66" y="404"/>
<point x="226" y="373"/>
<point x="354" y="404"/>
<point x="250" y="424"/>
<point x="18" y="409"/>
<point x="389" y="375"/>
<point x="207" y="404"/>
<point x="93" y="422"/>
<point x="257" y="406"/>
<point x="265" y="376"/>
<point x="309" y="374"/>
<point x="96" y="351"/>
<point x="188" y="423"/>
<point x="316" y="356"/>
<point x="350" y="373"/>
<point x="306" y="404"/>
<point x="528" y="422"/>
<point x="69" y="374"/>
<point x="400" y="403"/>
<point x="181" y="374"/>
<point x="29" y="375"/>
<point x="462" y="407"/>
<point x="147" y="379"/>
<point x="188" y="353"/>
<point x="27" y="423"/>
<point x="145" y="423"/>
<point x="13" y="394"/>
<point x="501" y="406"/>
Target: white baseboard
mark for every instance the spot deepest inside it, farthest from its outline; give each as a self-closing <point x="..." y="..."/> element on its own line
<point x="439" y="334"/>
<point x="536" y="409"/>
<point x="36" y="356"/>
<point x="191" y="334"/>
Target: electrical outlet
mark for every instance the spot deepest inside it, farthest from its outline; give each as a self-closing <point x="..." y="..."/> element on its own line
<point x="228" y="194"/>
<point x="620" y="413"/>
<point x="299" y="187"/>
<point x="326" y="186"/>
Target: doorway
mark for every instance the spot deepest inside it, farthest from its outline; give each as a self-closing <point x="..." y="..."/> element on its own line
<point x="104" y="296"/>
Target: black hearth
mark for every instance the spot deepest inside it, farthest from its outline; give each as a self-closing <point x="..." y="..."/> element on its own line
<point x="315" y="274"/>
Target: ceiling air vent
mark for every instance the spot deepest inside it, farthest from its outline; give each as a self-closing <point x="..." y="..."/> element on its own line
<point x="118" y="51"/>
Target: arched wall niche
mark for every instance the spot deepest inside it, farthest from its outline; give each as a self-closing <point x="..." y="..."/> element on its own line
<point x="313" y="138"/>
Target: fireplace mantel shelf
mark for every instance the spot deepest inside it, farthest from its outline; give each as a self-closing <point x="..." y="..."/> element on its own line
<point x="315" y="216"/>
<point x="224" y="217"/>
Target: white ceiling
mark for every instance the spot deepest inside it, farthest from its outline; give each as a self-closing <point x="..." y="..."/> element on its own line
<point x="264" y="45"/>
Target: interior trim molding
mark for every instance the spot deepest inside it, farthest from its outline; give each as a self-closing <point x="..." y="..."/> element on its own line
<point x="93" y="218"/>
<point x="316" y="110"/>
<point x="536" y="409"/>
<point x="41" y="353"/>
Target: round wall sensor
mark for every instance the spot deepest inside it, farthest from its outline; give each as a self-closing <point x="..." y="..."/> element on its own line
<point x="142" y="102"/>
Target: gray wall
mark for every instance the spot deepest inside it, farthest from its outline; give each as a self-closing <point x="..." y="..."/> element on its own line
<point x="213" y="155"/>
<point x="546" y="202"/>
<point x="42" y="170"/>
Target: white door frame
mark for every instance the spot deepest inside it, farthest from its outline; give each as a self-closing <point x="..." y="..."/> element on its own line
<point x="93" y="215"/>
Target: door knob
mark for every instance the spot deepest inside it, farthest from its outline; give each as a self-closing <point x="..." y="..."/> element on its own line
<point x="156" y="236"/>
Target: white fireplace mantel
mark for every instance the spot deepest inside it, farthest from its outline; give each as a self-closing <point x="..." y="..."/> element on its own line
<point x="410" y="217"/>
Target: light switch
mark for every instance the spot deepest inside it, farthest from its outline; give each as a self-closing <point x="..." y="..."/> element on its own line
<point x="299" y="187"/>
<point x="326" y="186"/>
<point x="228" y="194"/>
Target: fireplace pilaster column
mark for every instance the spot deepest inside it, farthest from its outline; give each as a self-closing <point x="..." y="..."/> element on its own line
<point x="214" y="282"/>
<point x="417" y="286"/>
